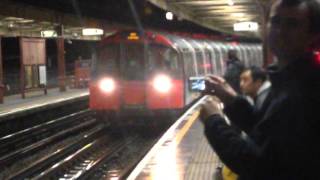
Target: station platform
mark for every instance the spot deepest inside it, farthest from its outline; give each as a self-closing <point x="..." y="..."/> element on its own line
<point x="181" y="153"/>
<point x="35" y="101"/>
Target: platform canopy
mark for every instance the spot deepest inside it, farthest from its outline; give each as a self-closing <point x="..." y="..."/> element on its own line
<point x="219" y="15"/>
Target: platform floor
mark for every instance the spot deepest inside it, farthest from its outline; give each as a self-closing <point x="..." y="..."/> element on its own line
<point x="15" y="103"/>
<point x="181" y="153"/>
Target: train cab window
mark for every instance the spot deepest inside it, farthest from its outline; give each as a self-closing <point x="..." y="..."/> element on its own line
<point x="107" y="62"/>
<point x="162" y="58"/>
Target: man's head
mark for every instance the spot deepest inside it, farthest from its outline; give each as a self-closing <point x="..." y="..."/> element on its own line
<point x="292" y="26"/>
<point x="232" y="54"/>
<point x="251" y="79"/>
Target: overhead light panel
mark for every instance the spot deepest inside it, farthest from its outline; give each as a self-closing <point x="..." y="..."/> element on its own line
<point x="92" y="31"/>
<point x="245" y="26"/>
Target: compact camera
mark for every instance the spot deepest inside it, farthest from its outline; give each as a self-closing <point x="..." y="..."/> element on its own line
<point x="197" y="84"/>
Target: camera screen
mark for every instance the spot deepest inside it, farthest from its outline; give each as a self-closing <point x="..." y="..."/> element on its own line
<point x="198" y="85"/>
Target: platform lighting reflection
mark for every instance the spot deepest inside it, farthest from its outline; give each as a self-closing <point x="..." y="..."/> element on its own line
<point x="169" y="16"/>
<point x="107" y="85"/>
<point x="162" y="83"/>
<point x="165" y="165"/>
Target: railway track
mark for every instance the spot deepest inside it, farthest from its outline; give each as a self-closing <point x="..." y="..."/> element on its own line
<point x="90" y="158"/>
<point x="20" y="146"/>
<point x="95" y="153"/>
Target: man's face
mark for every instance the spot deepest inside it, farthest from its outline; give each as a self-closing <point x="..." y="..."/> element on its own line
<point x="247" y="85"/>
<point x="288" y="30"/>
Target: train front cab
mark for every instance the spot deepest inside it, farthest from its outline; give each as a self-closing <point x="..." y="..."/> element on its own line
<point x="145" y="80"/>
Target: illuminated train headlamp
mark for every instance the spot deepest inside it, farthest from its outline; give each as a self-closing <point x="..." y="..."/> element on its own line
<point x="107" y="85"/>
<point x="162" y="83"/>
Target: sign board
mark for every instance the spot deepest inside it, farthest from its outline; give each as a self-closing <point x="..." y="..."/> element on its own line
<point x="33" y="51"/>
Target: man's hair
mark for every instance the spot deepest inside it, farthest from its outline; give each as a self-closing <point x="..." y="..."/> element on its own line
<point x="257" y="73"/>
<point x="314" y="11"/>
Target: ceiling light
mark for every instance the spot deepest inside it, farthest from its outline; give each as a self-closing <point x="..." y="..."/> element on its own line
<point x="245" y="26"/>
<point x="26" y="21"/>
<point x="92" y="31"/>
<point x="230" y="2"/>
<point x="48" y="33"/>
<point x="169" y="16"/>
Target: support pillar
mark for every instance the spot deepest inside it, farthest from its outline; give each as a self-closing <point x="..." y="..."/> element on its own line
<point x="267" y="55"/>
<point x="1" y="75"/>
<point x="61" y="60"/>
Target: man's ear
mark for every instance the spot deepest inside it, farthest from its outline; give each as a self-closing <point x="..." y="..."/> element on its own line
<point x="258" y="82"/>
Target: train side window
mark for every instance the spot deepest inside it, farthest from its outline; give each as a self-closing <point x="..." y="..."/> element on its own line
<point x="218" y="60"/>
<point x="200" y="63"/>
<point x="189" y="65"/>
<point x="208" y="63"/>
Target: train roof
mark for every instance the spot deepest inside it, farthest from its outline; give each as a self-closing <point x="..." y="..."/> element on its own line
<point x="171" y="40"/>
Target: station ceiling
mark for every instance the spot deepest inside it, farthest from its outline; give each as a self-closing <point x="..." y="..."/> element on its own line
<point x="30" y="17"/>
<point x="218" y="15"/>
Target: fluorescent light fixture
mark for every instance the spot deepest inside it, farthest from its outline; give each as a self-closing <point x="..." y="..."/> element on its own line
<point x="169" y="16"/>
<point x="92" y="31"/>
<point x="245" y="26"/>
<point x="48" y="33"/>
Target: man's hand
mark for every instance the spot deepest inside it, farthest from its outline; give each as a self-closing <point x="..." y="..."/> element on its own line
<point x="219" y="87"/>
<point x="209" y="107"/>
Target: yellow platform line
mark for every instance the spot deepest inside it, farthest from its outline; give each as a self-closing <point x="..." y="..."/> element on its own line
<point x="187" y="126"/>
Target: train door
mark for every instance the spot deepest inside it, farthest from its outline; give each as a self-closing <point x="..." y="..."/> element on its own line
<point x="132" y="70"/>
<point x="245" y="57"/>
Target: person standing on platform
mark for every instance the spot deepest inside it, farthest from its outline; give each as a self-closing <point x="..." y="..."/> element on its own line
<point x="254" y="84"/>
<point x="233" y="71"/>
<point x="282" y="140"/>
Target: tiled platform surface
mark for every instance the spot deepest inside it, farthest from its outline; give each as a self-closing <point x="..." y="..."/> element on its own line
<point x="182" y="153"/>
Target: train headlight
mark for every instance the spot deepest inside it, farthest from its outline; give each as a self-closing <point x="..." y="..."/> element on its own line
<point x="107" y="85"/>
<point x="162" y="83"/>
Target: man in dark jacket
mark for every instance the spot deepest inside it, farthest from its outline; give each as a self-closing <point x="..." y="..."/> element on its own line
<point x="233" y="71"/>
<point x="282" y="140"/>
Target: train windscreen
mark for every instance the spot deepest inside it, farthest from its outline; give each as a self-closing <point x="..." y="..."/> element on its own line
<point x="107" y="62"/>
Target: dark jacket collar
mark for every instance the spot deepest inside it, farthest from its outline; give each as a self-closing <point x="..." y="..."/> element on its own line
<point x="298" y="71"/>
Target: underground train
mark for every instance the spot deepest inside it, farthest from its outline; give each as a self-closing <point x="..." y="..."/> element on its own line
<point x="150" y="73"/>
